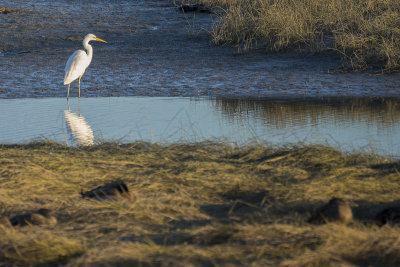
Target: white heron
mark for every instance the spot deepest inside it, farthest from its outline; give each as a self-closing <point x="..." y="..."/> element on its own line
<point x="79" y="61"/>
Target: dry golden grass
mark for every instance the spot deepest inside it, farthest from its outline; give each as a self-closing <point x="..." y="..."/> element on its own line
<point x="366" y="33"/>
<point x="198" y="204"/>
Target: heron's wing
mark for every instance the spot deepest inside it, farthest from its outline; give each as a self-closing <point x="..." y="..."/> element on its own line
<point x="76" y="66"/>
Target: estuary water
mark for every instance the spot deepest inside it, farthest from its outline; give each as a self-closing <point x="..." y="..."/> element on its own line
<point x="350" y="124"/>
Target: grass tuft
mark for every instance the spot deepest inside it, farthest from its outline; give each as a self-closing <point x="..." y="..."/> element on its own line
<point x="37" y="246"/>
<point x="365" y="33"/>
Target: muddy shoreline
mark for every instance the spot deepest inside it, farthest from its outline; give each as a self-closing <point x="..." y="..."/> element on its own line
<point x="156" y="50"/>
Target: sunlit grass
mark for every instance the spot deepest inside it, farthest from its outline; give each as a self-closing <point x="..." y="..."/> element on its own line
<point x="366" y="34"/>
<point x="201" y="203"/>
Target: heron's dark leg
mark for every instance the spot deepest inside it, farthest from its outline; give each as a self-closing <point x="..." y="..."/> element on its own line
<point x="68" y="91"/>
<point x="79" y="84"/>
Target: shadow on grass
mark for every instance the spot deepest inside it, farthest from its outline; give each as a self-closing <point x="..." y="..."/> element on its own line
<point x="163" y="260"/>
<point x="387" y="168"/>
<point x="238" y="206"/>
<point x="207" y="235"/>
<point x="367" y="212"/>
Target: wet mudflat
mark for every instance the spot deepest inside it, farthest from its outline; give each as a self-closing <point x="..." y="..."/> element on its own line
<point x="155" y="50"/>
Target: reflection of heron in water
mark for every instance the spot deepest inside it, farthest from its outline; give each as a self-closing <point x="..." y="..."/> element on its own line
<point x="78" y="128"/>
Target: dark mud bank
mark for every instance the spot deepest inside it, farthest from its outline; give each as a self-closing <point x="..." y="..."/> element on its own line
<point x="156" y="50"/>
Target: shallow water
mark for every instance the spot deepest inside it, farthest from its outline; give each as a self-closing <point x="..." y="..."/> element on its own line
<point x="348" y="124"/>
<point x="155" y="50"/>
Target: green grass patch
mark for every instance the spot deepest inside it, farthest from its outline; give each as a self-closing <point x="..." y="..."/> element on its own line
<point x="201" y="204"/>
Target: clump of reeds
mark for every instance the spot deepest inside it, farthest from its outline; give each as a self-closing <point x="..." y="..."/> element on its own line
<point x="365" y="33"/>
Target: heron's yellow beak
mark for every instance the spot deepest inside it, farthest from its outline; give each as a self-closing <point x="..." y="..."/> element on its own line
<point x="101" y="40"/>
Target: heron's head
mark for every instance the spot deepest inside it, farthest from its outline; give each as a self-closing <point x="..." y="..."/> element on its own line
<point x="92" y="37"/>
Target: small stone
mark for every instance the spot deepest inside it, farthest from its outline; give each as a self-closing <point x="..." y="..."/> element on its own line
<point x="337" y="210"/>
<point x="194" y="8"/>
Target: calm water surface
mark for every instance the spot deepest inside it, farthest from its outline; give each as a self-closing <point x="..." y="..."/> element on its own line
<point x="348" y="124"/>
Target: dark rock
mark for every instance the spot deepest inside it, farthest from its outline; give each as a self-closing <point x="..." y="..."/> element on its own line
<point x="114" y="189"/>
<point x="194" y="8"/>
<point x="337" y="210"/>
<point x="41" y="217"/>
<point x="389" y="215"/>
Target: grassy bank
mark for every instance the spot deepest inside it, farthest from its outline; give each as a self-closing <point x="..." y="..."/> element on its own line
<point x="202" y="204"/>
<point x="365" y="33"/>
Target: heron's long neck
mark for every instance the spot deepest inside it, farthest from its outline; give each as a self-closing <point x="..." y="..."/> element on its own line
<point x="89" y="49"/>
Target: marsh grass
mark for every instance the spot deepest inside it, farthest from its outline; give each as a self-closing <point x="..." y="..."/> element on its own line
<point x="37" y="246"/>
<point x="203" y="203"/>
<point x="365" y="33"/>
<point x="197" y="204"/>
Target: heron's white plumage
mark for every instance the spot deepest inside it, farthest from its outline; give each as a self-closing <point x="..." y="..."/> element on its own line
<point x="79" y="61"/>
<point x="76" y="66"/>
